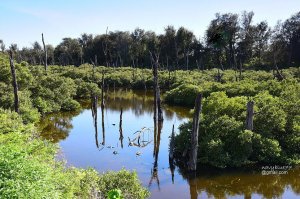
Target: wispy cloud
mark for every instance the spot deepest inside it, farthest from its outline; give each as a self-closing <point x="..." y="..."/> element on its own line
<point x="51" y="16"/>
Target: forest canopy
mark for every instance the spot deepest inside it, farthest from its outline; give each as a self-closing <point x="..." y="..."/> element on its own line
<point x="231" y="41"/>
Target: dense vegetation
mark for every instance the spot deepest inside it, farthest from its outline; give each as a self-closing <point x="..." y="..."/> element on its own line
<point x="223" y="139"/>
<point x="231" y="41"/>
<point x="28" y="168"/>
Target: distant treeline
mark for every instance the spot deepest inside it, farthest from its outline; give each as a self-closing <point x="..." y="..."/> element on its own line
<point x="231" y="41"/>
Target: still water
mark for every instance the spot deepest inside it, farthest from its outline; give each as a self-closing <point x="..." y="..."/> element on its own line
<point x="122" y="136"/>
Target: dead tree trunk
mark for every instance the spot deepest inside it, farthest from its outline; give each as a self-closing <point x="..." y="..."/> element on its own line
<point x="105" y="48"/>
<point x="45" y="51"/>
<point x="14" y="82"/>
<point x="278" y="75"/>
<point x="219" y="76"/>
<point x="102" y="90"/>
<point x="157" y="101"/>
<point x="249" y="116"/>
<point x="192" y="164"/>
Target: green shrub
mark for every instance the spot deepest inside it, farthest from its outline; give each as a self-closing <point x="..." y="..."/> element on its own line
<point x="125" y="181"/>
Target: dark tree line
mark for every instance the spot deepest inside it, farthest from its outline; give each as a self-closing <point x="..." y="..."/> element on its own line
<point x="231" y="41"/>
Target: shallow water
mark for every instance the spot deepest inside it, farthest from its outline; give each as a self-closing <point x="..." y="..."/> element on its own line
<point x="103" y="148"/>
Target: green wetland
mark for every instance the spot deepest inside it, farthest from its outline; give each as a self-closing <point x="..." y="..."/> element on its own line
<point x="83" y="146"/>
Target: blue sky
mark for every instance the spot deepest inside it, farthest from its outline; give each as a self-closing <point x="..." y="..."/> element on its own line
<point x="23" y="21"/>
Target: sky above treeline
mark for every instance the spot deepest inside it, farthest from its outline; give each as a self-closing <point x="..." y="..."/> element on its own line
<point x="23" y="21"/>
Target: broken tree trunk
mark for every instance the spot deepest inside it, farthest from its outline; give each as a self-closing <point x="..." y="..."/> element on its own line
<point x="192" y="164"/>
<point x="249" y="116"/>
<point x="157" y="101"/>
<point x="14" y="81"/>
<point x="45" y="51"/>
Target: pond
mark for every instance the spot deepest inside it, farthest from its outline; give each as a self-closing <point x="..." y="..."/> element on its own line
<point x="122" y="135"/>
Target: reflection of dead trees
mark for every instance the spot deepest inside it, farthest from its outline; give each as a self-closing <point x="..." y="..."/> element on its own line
<point x="120" y="128"/>
<point x="140" y="139"/>
<point x="94" y="105"/>
<point x="171" y="154"/>
<point x="193" y="187"/>
<point x="103" y="126"/>
<point x="157" y="135"/>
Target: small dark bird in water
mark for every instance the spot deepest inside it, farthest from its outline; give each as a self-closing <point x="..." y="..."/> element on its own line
<point x="114" y="124"/>
<point x="115" y="152"/>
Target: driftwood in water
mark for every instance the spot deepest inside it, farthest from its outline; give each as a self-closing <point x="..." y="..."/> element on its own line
<point x="192" y="164"/>
<point x="137" y="140"/>
<point x="157" y="102"/>
<point x="45" y="51"/>
<point x="14" y="82"/>
<point x="120" y="128"/>
<point x="249" y="116"/>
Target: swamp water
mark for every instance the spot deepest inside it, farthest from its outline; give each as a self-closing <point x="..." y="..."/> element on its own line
<point x="133" y="144"/>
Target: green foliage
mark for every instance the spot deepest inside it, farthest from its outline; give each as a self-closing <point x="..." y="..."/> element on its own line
<point x="125" y="181"/>
<point x="28" y="168"/>
<point x="224" y="142"/>
<point x="182" y="95"/>
<point x="115" y="194"/>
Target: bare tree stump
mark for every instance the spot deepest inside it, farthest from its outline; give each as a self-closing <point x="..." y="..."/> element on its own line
<point x="14" y="81"/>
<point x="249" y="116"/>
<point x="192" y="164"/>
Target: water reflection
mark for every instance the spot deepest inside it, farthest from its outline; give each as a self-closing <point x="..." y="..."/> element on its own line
<point x="141" y="102"/>
<point x="120" y="128"/>
<point x="130" y="115"/>
<point x="103" y="125"/>
<point x="56" y="127"/>
<point x="158" y="125"/>
<point x="244" y="182"/>
<point x="94" y="105"/>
